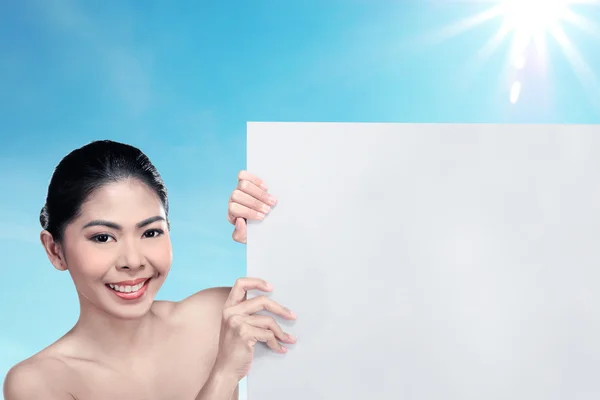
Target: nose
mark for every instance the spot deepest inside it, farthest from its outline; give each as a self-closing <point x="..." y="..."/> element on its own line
<point x="131" y="256"/>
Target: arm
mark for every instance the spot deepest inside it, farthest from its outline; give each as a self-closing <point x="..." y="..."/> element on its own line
<point x="249" y="201"/>
<point x="240" y="330"/>
<point x="219" y="384"/>
<point x="219" y="387"/>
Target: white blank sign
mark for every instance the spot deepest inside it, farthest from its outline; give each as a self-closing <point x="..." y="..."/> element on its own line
<point x="430" y="261"/>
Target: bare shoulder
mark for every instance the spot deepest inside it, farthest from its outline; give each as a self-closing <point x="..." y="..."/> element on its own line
<point x="208" y="303"/>
<point x="37" y="377"/>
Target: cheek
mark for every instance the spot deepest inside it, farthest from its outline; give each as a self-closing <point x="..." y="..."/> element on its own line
<point x="90" y="265"/>
<point x="160" y="255"/>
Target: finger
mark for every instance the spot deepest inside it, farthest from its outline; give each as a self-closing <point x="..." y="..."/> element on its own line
<point x="256" y="192"/>
<point x="263" y="303"/>
<point x="268" y="322"/>
<point x="237" y="210"/>
<point x="241" y="287"/>
<point x="267" y="336"/>
<point x="240" y="232"/>
<point x="254" y="203"/>
<point x="247" y="176"/>
<point x="230" y="211"/>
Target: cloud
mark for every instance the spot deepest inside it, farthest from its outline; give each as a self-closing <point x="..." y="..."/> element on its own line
<point x="107" y="46"/>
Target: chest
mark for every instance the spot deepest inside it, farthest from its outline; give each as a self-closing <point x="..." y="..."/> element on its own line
<point x="172" y="385"/>
<point x="174" y="369"/>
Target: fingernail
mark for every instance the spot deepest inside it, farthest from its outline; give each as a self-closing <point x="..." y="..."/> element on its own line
<point x="292" y="337"/>
<point x="260" y="215"/>
<point x="266" y="209"/>
<point x="268" y="286"/>
<point x="272" y="200"/>
<point x="283" y="349"/>
<point x="263" y="187"/>
<point x="293" y="314"/>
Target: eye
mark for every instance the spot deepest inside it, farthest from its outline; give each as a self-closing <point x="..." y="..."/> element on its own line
<point x="101" y="238"/>
<point x="152" y="233"/>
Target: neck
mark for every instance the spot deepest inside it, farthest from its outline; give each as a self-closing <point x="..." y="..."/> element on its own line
<point x="114" y="337"/>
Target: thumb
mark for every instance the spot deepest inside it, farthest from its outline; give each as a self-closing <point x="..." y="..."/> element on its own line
<point x="239" y="232"/>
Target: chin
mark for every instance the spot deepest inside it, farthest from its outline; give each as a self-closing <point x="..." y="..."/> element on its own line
<point x="131" y="313"/>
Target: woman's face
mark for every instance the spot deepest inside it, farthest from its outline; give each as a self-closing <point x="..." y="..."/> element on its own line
<point x="118" y="251"/>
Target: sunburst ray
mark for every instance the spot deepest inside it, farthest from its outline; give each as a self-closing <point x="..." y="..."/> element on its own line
<point x="529" y="24"/>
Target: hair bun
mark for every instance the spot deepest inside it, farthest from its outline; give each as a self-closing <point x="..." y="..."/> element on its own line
<point x="44" y="217"/>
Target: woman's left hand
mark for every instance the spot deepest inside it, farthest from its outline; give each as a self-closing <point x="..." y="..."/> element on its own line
<point x="249" y="201"/>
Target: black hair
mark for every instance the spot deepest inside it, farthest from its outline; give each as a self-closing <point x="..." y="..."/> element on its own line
<point x="86" y="170"/>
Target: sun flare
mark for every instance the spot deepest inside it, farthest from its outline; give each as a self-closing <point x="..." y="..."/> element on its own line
<point x="530" y="21"/>
<point x="528" y="25"/>
<point x="534" y="17"/>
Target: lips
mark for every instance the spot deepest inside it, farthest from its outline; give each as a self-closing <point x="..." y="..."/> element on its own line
<point x="129" y="290"/>
<point x="129" y="283"/>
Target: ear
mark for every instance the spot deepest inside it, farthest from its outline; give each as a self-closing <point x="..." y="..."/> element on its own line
<point x="53" y="250"/>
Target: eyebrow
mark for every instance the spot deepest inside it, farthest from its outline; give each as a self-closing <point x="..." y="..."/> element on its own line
<point x="112" y="225"/>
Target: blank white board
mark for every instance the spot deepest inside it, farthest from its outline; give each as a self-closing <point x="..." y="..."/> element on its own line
<point x="430" y="261"/>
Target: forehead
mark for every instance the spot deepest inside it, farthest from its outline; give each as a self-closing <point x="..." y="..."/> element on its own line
<point x="126" y="200"/>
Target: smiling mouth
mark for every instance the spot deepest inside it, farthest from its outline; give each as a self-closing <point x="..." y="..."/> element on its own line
<point x="127" y="288"/>
<point x="131" y="291"/>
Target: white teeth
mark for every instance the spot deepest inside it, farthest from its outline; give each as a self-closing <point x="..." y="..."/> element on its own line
<point x="126" y="289"/>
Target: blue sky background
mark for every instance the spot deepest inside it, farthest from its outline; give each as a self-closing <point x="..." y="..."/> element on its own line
<point x="181" y="79"/>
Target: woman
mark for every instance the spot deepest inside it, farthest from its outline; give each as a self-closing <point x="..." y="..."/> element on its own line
<point x="106" y="222"/>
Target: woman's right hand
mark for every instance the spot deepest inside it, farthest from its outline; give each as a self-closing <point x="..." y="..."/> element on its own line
<point x="242" y="329"/>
